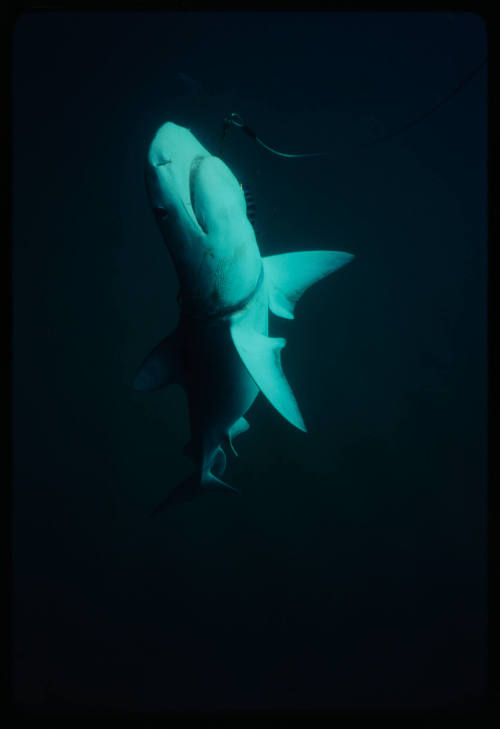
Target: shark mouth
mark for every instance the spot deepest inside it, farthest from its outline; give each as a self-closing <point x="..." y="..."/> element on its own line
<point x="195" y="164"/>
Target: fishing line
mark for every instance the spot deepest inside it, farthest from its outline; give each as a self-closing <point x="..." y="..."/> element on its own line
<point x="236" y="120"/>
<point x="424" y="115"/>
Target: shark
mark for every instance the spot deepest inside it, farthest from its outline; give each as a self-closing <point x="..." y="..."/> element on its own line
<point x="220" y="352"/>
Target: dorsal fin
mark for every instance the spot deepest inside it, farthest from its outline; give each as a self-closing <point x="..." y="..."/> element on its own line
<point x="261" y="356"/>
<point x="290" y="274"/>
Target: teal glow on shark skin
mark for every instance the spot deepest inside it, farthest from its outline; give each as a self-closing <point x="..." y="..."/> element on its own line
<point x="220" y="351"/>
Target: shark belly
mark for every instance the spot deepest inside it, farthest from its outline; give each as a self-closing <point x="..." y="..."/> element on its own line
<point x="219" y="390"/>
<point x="218" y="385"/>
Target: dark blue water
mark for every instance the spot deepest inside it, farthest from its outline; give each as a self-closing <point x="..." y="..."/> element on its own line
<point x="351" y="571"/>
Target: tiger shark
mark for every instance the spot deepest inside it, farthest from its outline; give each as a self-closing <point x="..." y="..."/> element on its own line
<point x="220" y="352"/>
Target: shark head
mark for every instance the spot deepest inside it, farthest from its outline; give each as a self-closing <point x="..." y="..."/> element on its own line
<point x="200" y="209"/>
<point x="168" y="174"/>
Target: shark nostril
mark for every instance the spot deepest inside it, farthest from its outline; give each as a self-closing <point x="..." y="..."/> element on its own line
<point x="164" y="162"/>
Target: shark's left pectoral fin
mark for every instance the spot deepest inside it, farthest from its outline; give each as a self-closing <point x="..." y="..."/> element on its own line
<point x="162" y="366"/>
<point x="261" y="356"/>
<point x="289" y="275"/>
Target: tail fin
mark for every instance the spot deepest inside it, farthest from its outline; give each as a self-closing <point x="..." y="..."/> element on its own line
<point x="190" y="489"/>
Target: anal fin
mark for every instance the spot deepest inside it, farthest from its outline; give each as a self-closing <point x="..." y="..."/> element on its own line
<point x="190" y="489"/>
<point x="218" y="460"/>
<point x="240" y="426"/>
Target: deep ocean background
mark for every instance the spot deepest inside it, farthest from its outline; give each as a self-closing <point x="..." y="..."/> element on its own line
<point x="351" y="570"/>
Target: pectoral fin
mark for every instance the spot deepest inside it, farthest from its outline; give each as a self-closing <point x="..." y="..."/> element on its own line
<point x="290" y="274"/>
<point x="162" y="366"/>
<point x="261" y="356"/>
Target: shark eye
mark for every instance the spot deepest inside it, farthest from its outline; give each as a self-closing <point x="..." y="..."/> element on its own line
<point x="160" y="213"/>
